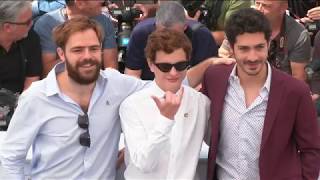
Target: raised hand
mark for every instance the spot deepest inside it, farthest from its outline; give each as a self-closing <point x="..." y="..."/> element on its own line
<point x="169" y="104"/>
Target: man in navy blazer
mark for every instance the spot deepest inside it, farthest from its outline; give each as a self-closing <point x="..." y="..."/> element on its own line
<point x="263" y="123"/>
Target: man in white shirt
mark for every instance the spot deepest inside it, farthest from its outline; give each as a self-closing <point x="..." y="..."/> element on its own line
<point x="164" y="124"/>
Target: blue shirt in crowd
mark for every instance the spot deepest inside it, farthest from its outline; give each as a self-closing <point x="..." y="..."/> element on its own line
<point x="47" y="22"/>
<point x="203" y="45"/>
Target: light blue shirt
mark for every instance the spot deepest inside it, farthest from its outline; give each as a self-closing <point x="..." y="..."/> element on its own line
<point x="47" y="119"/>
<point x="47" y="22"/>
<point x="241" y="131"/>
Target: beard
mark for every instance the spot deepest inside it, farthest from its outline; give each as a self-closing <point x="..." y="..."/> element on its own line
<point x="83" y="78"/>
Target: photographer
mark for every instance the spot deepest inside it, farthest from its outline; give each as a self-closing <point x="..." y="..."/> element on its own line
<point x="305" y="11"/>
<point x="170" y="15"/>
<point x="93" y="9"/>
<point x="20" y="55"/>
<point x="312" y="21"/>
<point x="218" y="12"/>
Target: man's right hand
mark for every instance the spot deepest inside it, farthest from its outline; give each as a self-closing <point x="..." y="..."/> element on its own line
<point x="148" y="10"/>
<point x="227" y="60"/>
<point x="169" y="104"/>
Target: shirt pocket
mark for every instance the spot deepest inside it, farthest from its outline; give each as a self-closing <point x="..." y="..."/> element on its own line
<point x="61" y="130"/>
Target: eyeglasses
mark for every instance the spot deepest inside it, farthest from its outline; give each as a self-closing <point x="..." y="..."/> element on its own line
<point x="25" y="23"/>
<point x="83" y="122"/>
<point x="166" y="67"/>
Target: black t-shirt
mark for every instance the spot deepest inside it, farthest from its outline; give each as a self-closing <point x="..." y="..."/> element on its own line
<point x="301" y="7"/>
<point x="11" y="67"/>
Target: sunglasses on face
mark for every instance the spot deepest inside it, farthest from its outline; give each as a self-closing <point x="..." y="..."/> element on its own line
<point x="166" y="67"/>
<point x="83" y="122"/>
<point x="25" y="23"/>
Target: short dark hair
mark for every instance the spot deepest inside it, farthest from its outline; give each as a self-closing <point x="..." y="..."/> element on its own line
<point x="62" y="32"/>
<point x="168" y="41"/>
<point x="247" y="20"/>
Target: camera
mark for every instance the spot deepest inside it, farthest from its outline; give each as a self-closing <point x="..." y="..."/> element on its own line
<point x="205" y="15"/>
<point x="312" y="26"/>
<point x="125" y="18"/>
<point x="126" y="21"/>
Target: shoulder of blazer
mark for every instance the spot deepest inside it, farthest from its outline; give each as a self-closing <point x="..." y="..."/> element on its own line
<point x="215" y="80"/>
<point x="222" y="71"/>
<point x="278" y="78"/>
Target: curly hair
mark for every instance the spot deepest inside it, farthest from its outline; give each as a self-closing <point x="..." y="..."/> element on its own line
<point x="247" y="20"/>
<point x="168" y="41"/>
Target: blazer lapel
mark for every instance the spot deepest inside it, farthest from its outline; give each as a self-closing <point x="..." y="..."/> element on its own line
<point x="218" y="83"/>
<point x="274" y="101"/>
<point x="218" y="94"/>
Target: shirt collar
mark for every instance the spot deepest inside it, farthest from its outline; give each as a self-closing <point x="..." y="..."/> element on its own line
<point x="157" y="91"/>
<point x="267" y="84"/>
<point x="4" y="52"/>
<point x="52" y="86"/>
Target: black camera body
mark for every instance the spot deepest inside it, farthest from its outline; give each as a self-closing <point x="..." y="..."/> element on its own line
<point x="313" y="26"/>
<point x="126" y="21"/>
<point x="127" y="14"/>
<point x="193" y="6"/>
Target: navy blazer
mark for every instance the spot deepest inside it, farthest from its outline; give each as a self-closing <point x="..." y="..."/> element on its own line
<point x="290" y="145"/>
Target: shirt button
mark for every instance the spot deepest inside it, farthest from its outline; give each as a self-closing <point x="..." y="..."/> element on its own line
<point x="241" y="157"/>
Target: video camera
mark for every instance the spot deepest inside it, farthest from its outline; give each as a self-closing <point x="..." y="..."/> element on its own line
<point x="126" y="21"/>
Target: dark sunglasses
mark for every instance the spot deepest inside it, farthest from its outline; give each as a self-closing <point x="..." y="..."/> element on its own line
<point x="166" y="67"/>
<point x="83" y="122"/>
<point x="25" y="23"/>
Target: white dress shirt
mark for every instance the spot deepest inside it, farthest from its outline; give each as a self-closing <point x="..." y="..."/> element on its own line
<point x="241" y="132"/>
<point x="160" y="148"/>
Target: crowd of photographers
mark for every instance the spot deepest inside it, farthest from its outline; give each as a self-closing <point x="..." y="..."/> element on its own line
<point x="28" y="51"/>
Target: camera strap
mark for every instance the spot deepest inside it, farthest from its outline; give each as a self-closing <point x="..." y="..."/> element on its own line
<point x="278" y="51"/>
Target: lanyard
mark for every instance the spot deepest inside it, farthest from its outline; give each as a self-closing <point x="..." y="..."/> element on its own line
<point x="278" y="51"/>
